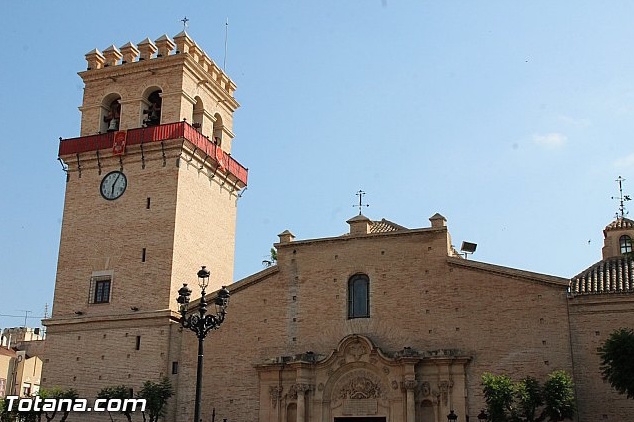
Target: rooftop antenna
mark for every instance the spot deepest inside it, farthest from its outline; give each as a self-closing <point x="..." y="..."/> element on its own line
<point x="622" y="199"/>
<point x="26" y="315"/>
<point x="224" y="62"/>
<point x="185" y="25"/>
<point x="361" y="204"/>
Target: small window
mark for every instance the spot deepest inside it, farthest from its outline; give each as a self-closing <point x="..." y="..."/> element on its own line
<point x="100" y="287"/>
<point x="359" y="296"/>
<point x="626" y="244"/>
<point x="174" y="368"/>
<point x="138" y="342"/>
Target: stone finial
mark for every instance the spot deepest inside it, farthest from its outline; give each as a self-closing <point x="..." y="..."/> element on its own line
<point x="286" y="236"/>
<point x="223" y="80"/>
<point x="112" y="55"/>
<point x="438" y="220"/>
<point x="197" y="53"/>
<point x="231" y="87"/>
<point x="165" y="45"/>
<point x="147" y="49"/>
<point x="359" y="225"/>
<point x="95" y="59"/>
<point x="129" y="51"/>
<point x="183" y="42"/>
<point x="206" y="63"/>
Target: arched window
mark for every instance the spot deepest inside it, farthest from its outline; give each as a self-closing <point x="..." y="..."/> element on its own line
<point x="197" y="115"/>
<point x="626" y="244"/>
<point x="291" y="413"/>
<point x="110" y="113"/>
<point x="153" y="112"/>
<point x="217" y="131"/>
<point x="359" y="296"/>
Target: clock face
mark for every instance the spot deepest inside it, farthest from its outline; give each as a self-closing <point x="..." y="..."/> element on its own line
<point x="113" y="185"/>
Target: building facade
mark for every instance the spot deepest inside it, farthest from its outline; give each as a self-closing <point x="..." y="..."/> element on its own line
<point x="383" y="323"/>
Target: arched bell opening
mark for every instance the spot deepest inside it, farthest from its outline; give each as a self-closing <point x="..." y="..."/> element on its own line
<point x="152" y="111"/>
<point x="217" y="130"/>
<point x="197" y="114"/>
<point x="110" y="115"/>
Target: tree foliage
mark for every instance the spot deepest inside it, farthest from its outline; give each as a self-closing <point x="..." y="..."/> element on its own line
<point x="527" y="400"/>
<point x="617" y="361"/>
<point x="559" y="396"/>
<point x="498" y="393"/>
<point x="120" y="392"/>
<point x="156" y="395"/>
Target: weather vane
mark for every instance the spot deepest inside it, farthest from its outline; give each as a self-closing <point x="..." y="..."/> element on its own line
<point x="360" y="204"/>
<point x="185" y="20"/>
<point x="622" y="199"/>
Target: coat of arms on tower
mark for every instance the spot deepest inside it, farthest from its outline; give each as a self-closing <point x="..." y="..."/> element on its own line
<point x="118" y="146"/>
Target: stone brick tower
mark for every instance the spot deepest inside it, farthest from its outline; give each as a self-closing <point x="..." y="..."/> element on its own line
<point x="150" y="197"/>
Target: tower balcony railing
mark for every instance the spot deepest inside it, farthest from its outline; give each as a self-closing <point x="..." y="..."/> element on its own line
<point x="145" y="135"/>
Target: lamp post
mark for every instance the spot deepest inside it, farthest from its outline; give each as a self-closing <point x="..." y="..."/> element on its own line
<point x="201" y="323"/>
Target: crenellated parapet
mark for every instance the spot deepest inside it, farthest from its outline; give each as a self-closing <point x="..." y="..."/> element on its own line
<point x="162" y="47"/>
<point x="158" y="82"/>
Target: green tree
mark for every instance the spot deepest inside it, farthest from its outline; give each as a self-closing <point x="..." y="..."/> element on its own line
<point x="156" y="395"/>
<point x="5" y="415"/>
<point x="71" y="393"/>
<point x="559" y="397"/>
<point x="499" y="393"/>
<point x="529" y="398"/>
<point x="120" y="392"/>
<point x="617" y="361"/>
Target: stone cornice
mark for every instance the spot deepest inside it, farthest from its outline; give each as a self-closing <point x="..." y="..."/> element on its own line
<point x="113" y="319"/>
<point x="347" y="237"/>
<point x="512" y="272"/>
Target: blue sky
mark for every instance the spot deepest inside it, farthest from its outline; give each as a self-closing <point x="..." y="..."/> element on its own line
<point x="512" y="119"/>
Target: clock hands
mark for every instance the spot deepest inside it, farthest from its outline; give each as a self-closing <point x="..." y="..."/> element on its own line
<point x="115" y="183"/>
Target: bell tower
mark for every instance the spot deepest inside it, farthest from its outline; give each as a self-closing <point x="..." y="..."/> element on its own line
<point x="151" y="196"/>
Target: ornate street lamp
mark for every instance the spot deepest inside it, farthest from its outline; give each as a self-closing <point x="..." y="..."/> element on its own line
<point x="482" y="416"/>
<point x="201" y="323"/>
<point x="452" y="417"/>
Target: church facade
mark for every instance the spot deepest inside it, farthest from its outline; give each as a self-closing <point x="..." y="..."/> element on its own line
<point x="382" y="323"/>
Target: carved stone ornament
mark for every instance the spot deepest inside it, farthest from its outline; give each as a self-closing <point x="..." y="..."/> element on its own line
<point x="320" y="387"/>
<point x="394" y="385"/>
<point x="386" y="370"/>
<point x="356" y="350"/>
<point x="410" y="384"/>
<point x="360" y="388"/>
<point x="276" y="393"/>
<point x="445" y="387"/>
<point x="297" y="388"/>
<point x="425" y="389"/>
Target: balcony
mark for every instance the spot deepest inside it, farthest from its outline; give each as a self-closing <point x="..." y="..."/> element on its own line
<point x="179" y="130"/>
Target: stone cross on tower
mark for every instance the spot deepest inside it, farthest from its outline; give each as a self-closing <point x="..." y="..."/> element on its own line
<point x="185" y="25"/>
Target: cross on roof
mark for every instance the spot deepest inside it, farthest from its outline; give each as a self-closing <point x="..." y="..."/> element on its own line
<point x="185" y="20"/>
<point x="361" y="204"/>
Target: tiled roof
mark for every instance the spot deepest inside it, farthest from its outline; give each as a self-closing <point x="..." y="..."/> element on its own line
<point x="7" y="352"/>
<point x="620" y="223"/>
<point x="614" y="275"/>
<point x="385" y="226"/>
